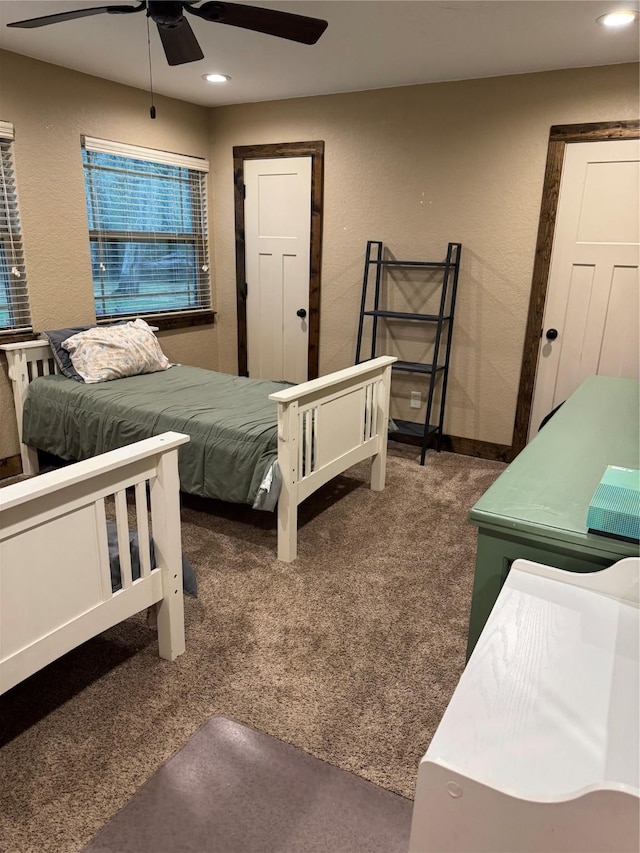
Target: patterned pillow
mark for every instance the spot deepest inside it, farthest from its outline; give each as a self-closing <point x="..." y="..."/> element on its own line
<point x="113" y="352"/>
<point x="56" y="337"/>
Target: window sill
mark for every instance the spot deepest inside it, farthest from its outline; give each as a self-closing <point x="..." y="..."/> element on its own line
<point x="16" y="337"/>
<point x="165" y="322"/>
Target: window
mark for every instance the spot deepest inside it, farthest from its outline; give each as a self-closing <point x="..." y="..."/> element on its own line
<point x="14" y="301"/>
<point x="147" y="230"/>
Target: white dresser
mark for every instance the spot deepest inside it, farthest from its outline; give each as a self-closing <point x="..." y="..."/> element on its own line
<point x="539" y="748"/>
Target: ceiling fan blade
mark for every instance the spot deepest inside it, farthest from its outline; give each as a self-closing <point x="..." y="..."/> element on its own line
<point x="77" y="13"/>
<point x="180" y="44"/>
<point x="285" y="25"/>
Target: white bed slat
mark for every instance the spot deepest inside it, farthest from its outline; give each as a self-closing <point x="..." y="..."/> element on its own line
<point x="315" y="440"/>
<point x="300" y="426"/>
<point x="142" y="526"/>
<point x="124" y="553"/>
<point x="314" y="461"/>
<point x="103" y="548"/>
<point x="375" y="390"/>
<point x="311" y="439"/>
<point x="308" y="442"/>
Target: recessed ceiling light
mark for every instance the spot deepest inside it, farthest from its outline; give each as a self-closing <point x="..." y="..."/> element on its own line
<point x="216" y="78"/>
<point x="618" y="19"/>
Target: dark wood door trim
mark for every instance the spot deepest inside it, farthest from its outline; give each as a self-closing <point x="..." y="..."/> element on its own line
<point x="559" y="137"/>
<point x="315" y="150"/>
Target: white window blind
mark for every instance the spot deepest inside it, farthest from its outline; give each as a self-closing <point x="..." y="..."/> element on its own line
<point x="14" y="300"/>
<point x="147" y="229"/>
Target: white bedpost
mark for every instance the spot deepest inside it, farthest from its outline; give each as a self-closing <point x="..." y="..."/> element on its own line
<point x="19" y="376"/>
<point x="288" y="500"/>
<point x="379" y="461"/>
<point x="165" y="520"/>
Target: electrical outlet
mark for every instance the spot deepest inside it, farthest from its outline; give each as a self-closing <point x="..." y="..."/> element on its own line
<point x="415" y="399"/>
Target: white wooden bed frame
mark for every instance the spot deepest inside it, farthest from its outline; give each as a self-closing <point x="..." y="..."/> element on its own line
<point x="55" y="577"/>
<point x="325" y="426"/>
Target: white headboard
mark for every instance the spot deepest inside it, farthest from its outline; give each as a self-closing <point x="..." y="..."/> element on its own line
<point x="26" y="361"/>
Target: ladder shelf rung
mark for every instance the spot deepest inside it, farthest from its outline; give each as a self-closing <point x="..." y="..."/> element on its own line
<point x="417" y="367"/>
<point x="405" y="315"/>
<point x="412" y="428"/>
<point x="434" y="264"/>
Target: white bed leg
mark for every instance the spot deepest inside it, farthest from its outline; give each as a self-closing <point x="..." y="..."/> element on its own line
<point x="165" y="515"/>
<point x="379" y="461"/>
<point x="29" y="456"/>
<point x="170" y="613"/>
<point x="287" y="526"/>
<point x="288" y="498"/>
<point x="379" y="469"/>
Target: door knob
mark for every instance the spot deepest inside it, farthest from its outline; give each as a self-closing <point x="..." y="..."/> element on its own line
<point x="301" y="313"/>
<point x="552" y="334"/>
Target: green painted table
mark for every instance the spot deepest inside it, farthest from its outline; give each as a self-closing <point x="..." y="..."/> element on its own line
<point x="537" y="508"/>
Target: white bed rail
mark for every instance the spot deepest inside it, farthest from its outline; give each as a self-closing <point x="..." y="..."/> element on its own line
<point x="325" y="426"/>
<point x="55" y="574"/>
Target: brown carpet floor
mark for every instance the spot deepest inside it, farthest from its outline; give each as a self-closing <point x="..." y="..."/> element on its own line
<point x="350" y="653"/>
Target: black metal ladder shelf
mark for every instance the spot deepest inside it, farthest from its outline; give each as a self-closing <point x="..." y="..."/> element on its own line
<point x="438" y="368"/>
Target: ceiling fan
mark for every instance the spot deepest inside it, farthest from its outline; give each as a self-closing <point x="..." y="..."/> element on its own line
<point x="178" y="39"/>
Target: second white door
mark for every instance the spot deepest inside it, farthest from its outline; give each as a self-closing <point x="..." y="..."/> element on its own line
<point x="277" y="246"/>
<point x="591" y="318"/>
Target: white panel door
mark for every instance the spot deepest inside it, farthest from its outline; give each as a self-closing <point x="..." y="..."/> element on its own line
<point x="591" y="318"/>
<point x="277" y="246"/>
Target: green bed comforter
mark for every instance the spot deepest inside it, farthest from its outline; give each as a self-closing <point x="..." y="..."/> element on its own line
<point x="230" y="420"/>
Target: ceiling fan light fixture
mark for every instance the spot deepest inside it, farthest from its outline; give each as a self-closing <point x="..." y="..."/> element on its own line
<point x="621" y="18"/>
<point x="178" y="39"/>
<point x="216" y="78"/>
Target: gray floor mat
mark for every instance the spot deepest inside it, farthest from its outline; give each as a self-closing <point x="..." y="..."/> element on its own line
<point x="232" y="789"/>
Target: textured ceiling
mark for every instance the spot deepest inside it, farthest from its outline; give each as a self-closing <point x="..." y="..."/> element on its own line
<point x="368" y="45"/>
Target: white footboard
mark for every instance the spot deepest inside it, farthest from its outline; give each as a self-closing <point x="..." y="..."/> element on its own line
<point x="325" y="426"/>
<point x="55" y="576"/>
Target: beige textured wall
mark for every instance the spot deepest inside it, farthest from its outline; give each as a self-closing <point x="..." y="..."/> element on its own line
<point x="50" y="107"/>
<point x="416" y="167"/>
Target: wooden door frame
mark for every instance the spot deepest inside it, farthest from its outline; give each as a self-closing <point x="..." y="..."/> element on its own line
<point x="315" y="150"/>
<point x="559" y="137"/>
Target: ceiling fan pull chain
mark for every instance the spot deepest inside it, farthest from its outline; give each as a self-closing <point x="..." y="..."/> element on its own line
<point x="152" y="109"/>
